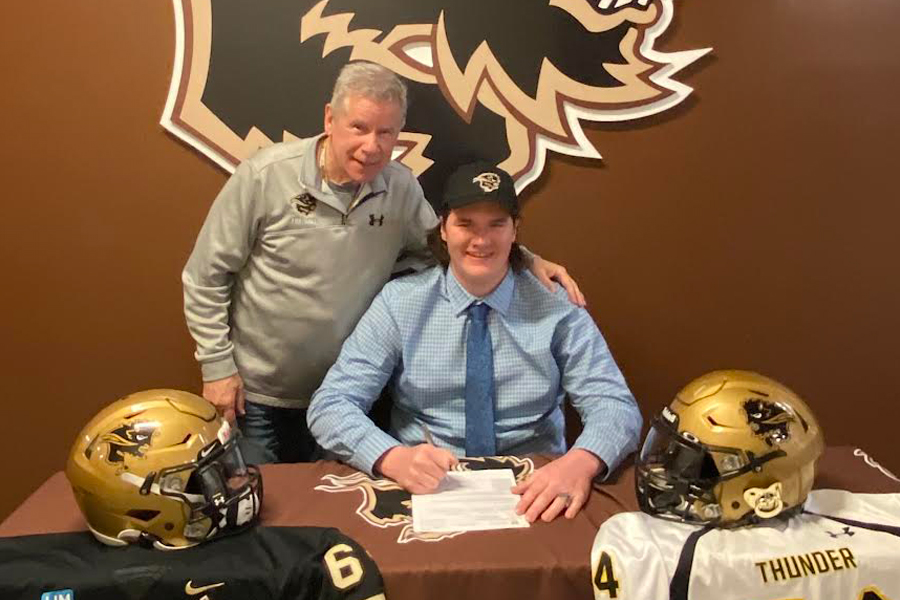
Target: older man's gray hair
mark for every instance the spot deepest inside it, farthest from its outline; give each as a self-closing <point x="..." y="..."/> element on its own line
<point x="368" y="80"/>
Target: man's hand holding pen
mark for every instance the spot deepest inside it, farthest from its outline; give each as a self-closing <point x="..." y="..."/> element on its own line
<point x="418" y="469"/>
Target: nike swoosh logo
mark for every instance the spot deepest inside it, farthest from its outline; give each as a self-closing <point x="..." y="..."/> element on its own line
<point x="190" y="590"/>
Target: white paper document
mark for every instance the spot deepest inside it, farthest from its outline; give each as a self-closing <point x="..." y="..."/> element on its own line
<point x="469" y="501"/>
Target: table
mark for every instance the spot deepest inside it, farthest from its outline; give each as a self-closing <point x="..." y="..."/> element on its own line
<point x="547" y="560"/>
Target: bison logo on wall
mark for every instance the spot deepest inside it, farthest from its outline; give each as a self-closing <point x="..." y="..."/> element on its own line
<point x="499" y="80"/>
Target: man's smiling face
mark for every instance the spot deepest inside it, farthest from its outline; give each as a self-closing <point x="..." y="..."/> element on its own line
<point x="479" y="238"/>
<point x="362" y="135"/>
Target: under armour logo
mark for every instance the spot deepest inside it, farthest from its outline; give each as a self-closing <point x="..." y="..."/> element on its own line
<point x="304" y="203"/>
<point x="373" y="220"/>
<point x="846" y="531"/>
<point x="488" y="182"/>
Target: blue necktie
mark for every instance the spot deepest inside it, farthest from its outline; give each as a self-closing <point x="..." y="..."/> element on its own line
<point x="479" y="385"/>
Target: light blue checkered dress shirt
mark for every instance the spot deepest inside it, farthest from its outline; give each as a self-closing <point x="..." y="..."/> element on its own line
<point x="413" y="339"/>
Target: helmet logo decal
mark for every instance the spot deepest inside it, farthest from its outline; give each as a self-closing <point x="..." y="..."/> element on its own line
<point x="766" y="502"/>
<point x="128" y="438"/>
<point x="385" y="504"/>
<point x="769" y="420"/>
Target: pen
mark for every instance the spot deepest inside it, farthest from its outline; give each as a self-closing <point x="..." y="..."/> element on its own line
<point x="427" y="434"/>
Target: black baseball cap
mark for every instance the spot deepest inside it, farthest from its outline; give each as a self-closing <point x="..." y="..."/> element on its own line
<point x="477" y="182"/>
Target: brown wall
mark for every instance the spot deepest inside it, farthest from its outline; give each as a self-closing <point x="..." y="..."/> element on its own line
<point x="752" y="227"/>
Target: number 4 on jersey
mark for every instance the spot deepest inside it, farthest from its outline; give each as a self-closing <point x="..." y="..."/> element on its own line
<point x="605" y="581"/>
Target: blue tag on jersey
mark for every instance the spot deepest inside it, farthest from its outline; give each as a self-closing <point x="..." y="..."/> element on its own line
<point x="58" y="595"/>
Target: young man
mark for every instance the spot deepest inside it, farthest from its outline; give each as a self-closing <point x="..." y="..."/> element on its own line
<point x="479" y="357"/>
<point x="296" y="245"/>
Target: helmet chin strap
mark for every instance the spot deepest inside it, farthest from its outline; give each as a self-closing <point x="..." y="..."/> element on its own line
<point x="237" y="514"/>
<point x="765" y="502"/>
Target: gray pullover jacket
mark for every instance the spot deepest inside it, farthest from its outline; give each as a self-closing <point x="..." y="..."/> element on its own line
<point x="282" y="271"/>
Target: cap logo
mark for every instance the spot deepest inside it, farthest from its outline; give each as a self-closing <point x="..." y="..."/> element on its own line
<point x="488" y="182"/>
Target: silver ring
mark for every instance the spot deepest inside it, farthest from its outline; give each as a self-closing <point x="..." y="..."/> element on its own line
<point x="566" y="498"/>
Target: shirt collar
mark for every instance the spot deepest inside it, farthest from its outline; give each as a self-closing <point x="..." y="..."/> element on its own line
<point x="460" y="299"/>
<point x="311" y="177"/>
<point x="309" y="171"/>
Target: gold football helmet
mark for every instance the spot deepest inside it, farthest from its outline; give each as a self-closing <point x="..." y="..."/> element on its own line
<point x="162" y="468"/>
<point x="733" y="448"/>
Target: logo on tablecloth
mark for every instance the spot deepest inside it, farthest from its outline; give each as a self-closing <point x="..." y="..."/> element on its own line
<point x="386" y="504"/>
<point x="874" y="464"/>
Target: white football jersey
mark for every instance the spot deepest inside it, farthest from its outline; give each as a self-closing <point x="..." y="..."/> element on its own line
<point x="843" y="546"/>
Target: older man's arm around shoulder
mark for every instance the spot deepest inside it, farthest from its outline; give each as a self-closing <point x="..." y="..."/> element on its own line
<point x="609" y="413"/>
<point x="338" y="418"/>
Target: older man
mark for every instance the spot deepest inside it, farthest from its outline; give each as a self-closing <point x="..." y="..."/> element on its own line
<point x="479" y="357"/>
<point x="294" y="248"/>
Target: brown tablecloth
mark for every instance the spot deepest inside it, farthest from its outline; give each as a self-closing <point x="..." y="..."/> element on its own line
<point x="547" y="560"/>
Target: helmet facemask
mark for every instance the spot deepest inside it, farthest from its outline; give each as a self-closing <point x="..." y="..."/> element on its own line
<point x="680" y="478"/>
<point x="222" y="493"/>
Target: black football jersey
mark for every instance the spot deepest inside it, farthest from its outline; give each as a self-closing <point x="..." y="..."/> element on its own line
<point x="266" y="563"/>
